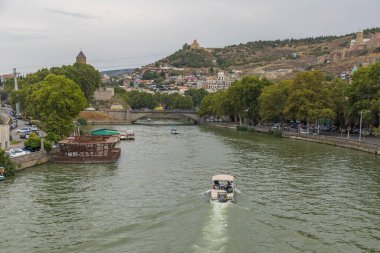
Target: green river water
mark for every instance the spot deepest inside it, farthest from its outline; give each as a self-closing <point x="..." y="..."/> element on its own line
<point x="292" y="196"/>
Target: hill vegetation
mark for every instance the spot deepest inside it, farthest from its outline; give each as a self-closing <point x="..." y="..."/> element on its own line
<point x="263" y="56"/>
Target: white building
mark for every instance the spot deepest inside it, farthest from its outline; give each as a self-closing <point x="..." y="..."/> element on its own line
<point x="218" y="82"/>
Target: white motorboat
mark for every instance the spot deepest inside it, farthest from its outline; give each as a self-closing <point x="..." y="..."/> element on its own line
<point x="123" y="135"/>
<point x="223" y="188"/>
<point x="127" y="135"/>
<point x="173" y="131"/>
<point x="130" y="135"/>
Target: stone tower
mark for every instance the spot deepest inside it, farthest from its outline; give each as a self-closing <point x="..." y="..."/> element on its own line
<point x="195" y="45"/>
<point x="81" y="58"/>
<point x="359" y="37"/>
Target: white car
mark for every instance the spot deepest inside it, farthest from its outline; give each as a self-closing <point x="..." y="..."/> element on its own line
<point x="17" y="152"/>
<point x="23" y="130"/>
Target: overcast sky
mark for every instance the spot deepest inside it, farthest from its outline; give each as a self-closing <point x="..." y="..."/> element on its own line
<point x="117" y="34"/>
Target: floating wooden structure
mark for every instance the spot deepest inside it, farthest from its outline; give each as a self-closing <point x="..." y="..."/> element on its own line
<point x="88" y="149"/>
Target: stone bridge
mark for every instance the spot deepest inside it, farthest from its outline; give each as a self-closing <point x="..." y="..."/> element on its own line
<point x="131" y="116"/>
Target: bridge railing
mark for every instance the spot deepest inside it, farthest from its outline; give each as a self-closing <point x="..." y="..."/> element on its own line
<point x="162" y="111"/>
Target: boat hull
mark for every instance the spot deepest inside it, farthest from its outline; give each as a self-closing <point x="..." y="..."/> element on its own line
<point x="222" y="196"/>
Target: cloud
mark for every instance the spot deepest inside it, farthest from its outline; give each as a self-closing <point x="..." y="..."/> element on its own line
<point x="24" y="34"/>
<point x="72" y="14"/>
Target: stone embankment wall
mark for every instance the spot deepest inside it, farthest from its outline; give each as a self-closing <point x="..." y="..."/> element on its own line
<point x="33" y="159"/>
<point x="335" y="141"/>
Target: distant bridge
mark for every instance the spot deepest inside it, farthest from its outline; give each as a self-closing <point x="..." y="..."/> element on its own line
<point x="131" y="116"/>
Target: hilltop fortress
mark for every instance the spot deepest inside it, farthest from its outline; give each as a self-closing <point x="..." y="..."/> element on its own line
<point x="358" y="46"/>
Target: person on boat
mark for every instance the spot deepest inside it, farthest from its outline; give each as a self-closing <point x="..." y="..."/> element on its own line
<point x="228" y="187"/>
<point x="216" y="184"/>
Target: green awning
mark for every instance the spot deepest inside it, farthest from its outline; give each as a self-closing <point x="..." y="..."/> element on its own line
<point x="104" y="132"/>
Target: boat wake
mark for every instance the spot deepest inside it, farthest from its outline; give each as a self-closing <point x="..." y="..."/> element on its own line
<point x="205" y="193"/>
<point x="214" y="233"/>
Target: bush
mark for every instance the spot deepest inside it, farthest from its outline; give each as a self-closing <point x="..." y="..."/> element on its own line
<point x="376" y="131"/>
<point x="7" y="164"/>
<point x="33" y="142"/>
<point x="52" y="137"/>
<point x="48" y="146"/>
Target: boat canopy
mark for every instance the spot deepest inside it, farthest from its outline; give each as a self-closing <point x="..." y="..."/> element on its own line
<point x="105" y="132"/>
<point x="223" y="177"/>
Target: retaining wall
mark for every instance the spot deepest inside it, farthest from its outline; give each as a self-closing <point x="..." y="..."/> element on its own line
<point x="335" y="141"/>
<point x="33" y="159"/>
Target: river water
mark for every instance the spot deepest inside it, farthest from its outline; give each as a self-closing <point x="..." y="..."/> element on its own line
<point x="292" y="196"/>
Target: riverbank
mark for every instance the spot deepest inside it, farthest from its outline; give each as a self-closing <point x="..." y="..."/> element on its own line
<point x="329" y="140"/>
<point x="335" y="141"/>
<point x="33" y="159"/>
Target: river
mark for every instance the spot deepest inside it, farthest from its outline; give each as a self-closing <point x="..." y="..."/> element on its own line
<point x="293" y="196"/>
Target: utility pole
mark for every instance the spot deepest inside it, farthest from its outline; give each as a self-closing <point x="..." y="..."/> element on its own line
<point x="16" y="88"/>
<point x="360" y="128"/>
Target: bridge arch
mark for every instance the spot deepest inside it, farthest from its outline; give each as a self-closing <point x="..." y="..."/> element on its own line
<point x="172" y="114"/>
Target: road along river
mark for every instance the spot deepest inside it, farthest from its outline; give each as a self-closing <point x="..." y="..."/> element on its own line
<point x="293" y="196"/>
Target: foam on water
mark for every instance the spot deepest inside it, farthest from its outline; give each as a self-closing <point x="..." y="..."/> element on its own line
<point x="214" y="233"/>
<point x="205" y="192"/>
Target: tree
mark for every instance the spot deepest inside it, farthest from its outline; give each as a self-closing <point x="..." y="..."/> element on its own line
<point x="139" y="100"/>
<point x="182" y="102"/>
<point x="85" y="75"/>
<point x="364" y="92"/>
<point x="55" y="101"/>
<point x="310" y="98"/>
<point x="244" y="95"/>
<point x="197" y="95"/>
<point x="272" y="101"/>
<point x="33" y="142"/>
<point x="339" y="89"/>
<point x="6" y="162"/>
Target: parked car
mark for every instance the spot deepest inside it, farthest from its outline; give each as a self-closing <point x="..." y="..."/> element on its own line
<point x="34" y="128"/>
<point x="24" y="129"/>
<point x="32" y="149"/>
<point x="17" y="152"/>
<point x="25" y="135"/>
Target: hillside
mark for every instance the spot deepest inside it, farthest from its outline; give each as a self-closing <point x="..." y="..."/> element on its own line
<point x="278" y="58"/>
<point x="118" y="72"/>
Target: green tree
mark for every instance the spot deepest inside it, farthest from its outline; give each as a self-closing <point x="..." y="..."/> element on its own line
<point x="55" y="101"/>
<point x="33" y="142"/>
<point x="364" y="92"/>
<point x="244" y="94"/>
<point x="272" y="101"/>
<point x="149" y="75"/>
<point x="216" y="104"/>
<point x="181" y="102"/>
<point x="310" y="98"/>
<point x="339" y="89"/>
<point x="85" y="75"/>
<point x="197" y="95"/>
<point x="6" y="162"/>
<point x="139" y="100"/>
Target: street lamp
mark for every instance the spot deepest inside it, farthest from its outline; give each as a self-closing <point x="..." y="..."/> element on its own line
<point x="360" y="125"/>
<point x="361" y="122"/>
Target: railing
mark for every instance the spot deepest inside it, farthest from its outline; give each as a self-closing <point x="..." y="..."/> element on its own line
<point x="337" y="141"/>
<point x="163" y="111"/>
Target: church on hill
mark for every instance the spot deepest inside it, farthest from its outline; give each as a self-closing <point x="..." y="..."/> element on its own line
<point x="81" y="58"/>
